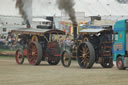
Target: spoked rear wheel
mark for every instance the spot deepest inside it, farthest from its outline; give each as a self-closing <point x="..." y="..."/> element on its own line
<point x="86" y="55"/>
<point x="34" y="53"/>
<point x="19" y="56"/>
<point x="66" y="59"/>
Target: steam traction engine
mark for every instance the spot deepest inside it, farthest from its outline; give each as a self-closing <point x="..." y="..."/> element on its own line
<point x="93" y="45"/>
<point x="38" y="45"/>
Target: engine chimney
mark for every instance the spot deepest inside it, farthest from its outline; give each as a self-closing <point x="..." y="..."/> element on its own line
<point x="28" y="24"/>
<point x="75" y="31"/>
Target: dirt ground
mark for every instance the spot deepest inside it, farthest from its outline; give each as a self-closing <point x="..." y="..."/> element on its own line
<point x="7" y="53"/>
<point x="44" y="74"/>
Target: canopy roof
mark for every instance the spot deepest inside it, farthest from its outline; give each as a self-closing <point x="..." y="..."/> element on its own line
<point x="41" y="32"/>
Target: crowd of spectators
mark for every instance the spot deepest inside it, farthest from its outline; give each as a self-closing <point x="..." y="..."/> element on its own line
<point x="67" y="42"/>
<point x="2" y="40"/>
<point x="9" y="41"/>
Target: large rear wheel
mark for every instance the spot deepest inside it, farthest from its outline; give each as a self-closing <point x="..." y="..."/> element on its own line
<point x="66" y="59"/>
<point x="19" y="56"/>
<point x="86" y="55"/>
<point x="34" y="53"/>
<point x="120" y="64"/>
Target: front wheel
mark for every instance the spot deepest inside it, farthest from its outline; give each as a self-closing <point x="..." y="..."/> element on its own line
<point x="19" y="56"/>
<point x="66" y="59"/>
<point x="119" y="64"/>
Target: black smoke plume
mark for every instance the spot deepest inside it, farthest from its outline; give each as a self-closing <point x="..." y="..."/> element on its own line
<point x="123" y="1"/>
<point x="25" y="10"/>
<point x="67" y="6"/>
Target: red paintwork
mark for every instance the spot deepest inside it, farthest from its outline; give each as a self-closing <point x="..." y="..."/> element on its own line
<point x="32" y="54"/>
<point x="25" y="52"/>
<point x="18" y="57"/>
<point x="119" y="64"/>
<point x="52" y="45"/>
<point x="57" y="55"/>
<point x="53" y="48"/>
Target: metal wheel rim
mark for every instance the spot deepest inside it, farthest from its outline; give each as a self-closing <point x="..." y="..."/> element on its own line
<point x="19" y="57"/>
<point x="84" y="54"/>
<point x="119" y="63"/>
<point x="32" y="53"/>
<point x="66" y="58"/>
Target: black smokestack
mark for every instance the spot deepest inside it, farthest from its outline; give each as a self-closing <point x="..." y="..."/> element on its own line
<point x="28" y="24"/>
<point x="25" y="9"/>
<point x="67" y="6"/>
<point x="75" y="31"/>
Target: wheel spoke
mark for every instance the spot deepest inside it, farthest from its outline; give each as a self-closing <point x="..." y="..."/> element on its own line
<point x="65" y="55"/>
<point x="66" y="59"/>
<point x="81" y="51"/>
<point x="87" y="59"/>
<point x="84" y="55"/>
<point x="82" y="61"/>
<point x="87" y="56"/>
<point x="81" y="56"/>
<point x="87" y="51"/>
<point x="85" y="63"/>
<point x="19" y="56"/>
<point x="83" y="48"/>
<point x="32" y="53"/>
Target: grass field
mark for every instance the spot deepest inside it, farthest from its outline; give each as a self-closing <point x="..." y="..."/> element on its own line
<point x="44" y="74"/>
<point x="7" y="52"/>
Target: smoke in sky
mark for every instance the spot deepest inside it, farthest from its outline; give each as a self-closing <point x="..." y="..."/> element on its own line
<point x="25" y="10"/>
<point x="67" y="6"/>
<point x="123" y="1"/>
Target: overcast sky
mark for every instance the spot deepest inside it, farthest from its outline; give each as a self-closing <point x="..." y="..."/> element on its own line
<point x="49" y="7"/>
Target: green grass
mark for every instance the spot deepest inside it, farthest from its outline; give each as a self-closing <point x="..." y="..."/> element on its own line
<point x="3" y="49"/>
<point x="7" y="57"/>
<point x="6" y="50"/>
<point x="9" y="50"/>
